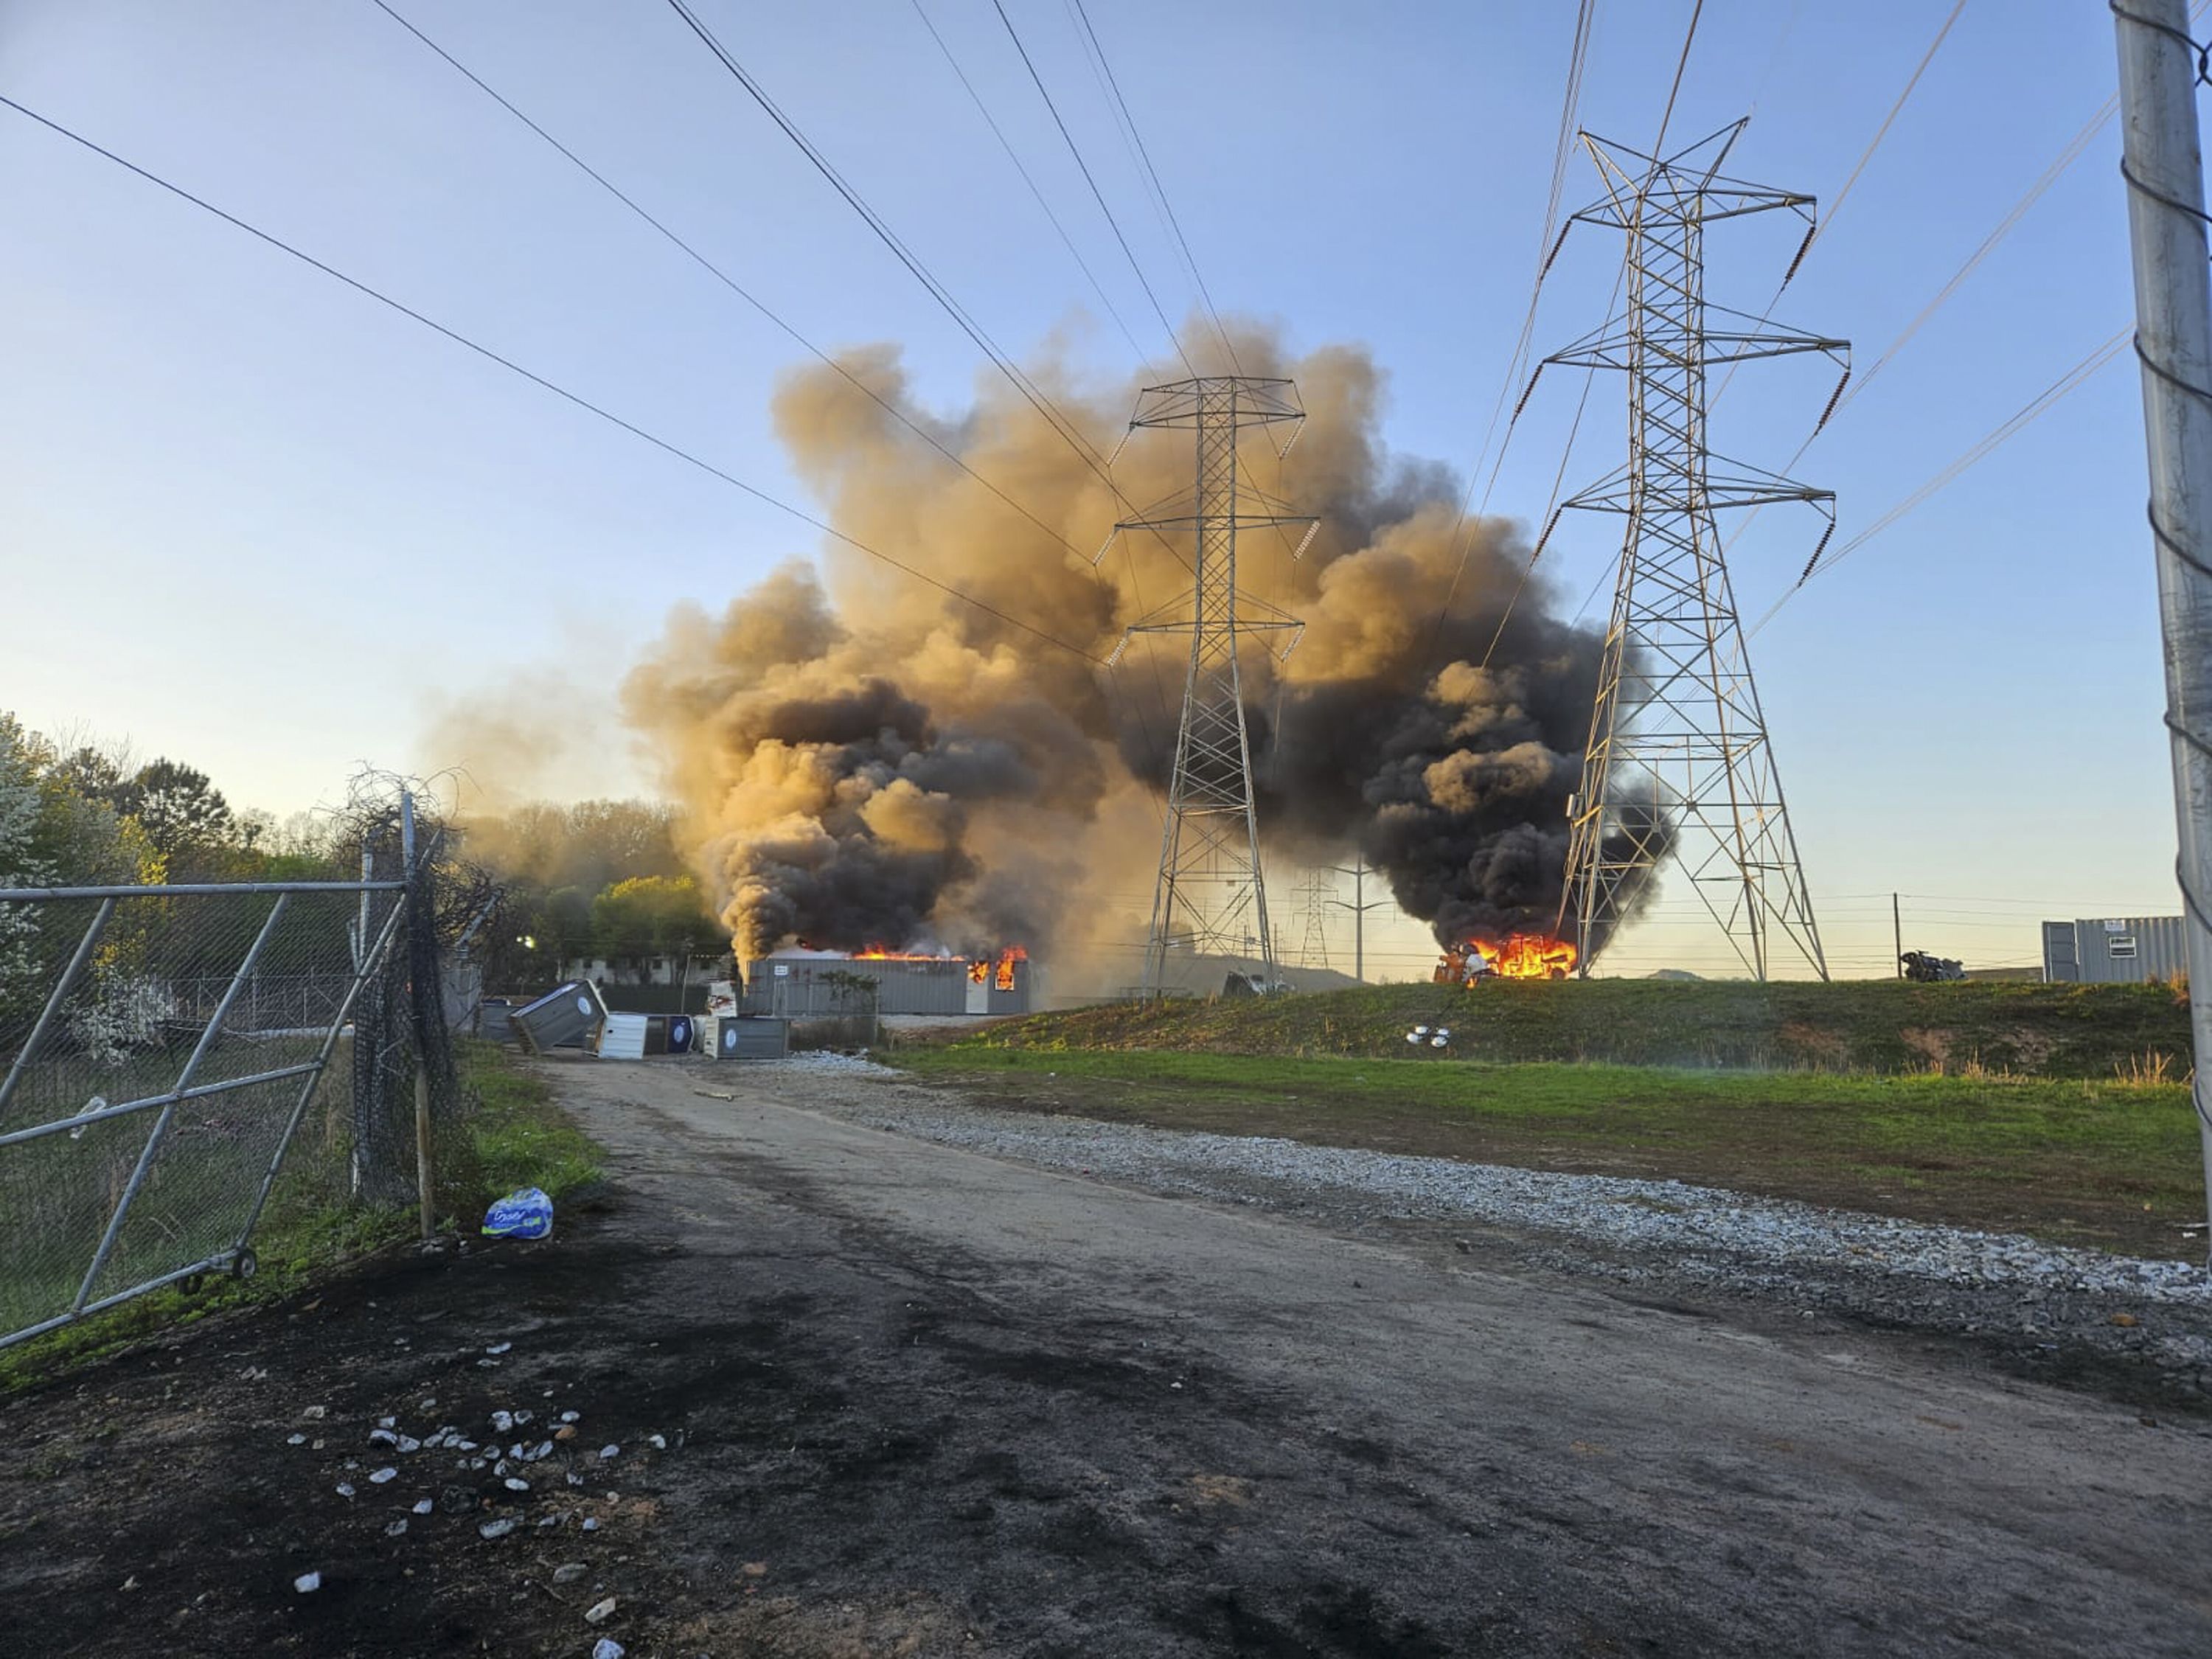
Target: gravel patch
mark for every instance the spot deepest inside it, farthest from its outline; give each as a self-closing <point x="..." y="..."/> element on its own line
<point x="1619" y="1212"/>
<point x="2141" y="1329"/>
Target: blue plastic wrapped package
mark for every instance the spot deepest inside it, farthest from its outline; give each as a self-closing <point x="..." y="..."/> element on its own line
<point x="525" y="1214"/>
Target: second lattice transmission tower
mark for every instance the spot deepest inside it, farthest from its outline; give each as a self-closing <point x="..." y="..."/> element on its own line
<point x="1212" y="897"/>
<point x="1678" y="760"/>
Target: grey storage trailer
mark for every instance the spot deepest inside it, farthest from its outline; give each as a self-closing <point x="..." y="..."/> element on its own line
<point x="2114" y="951"/>
<point x="802" y="988"/>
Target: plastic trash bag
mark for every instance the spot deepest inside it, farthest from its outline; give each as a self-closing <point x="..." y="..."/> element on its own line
<point x="525" y="1214"/>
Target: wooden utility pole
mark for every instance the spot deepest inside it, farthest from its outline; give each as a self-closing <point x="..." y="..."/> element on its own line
<point x="1897" y="931"/>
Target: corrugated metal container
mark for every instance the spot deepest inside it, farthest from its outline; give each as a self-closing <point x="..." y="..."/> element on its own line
<point x="2114" y="950"/>
<point x="623" y="1037"/>
<point x="2061" y="966"/>
<point x="736" y="1037"/>
<point x="800" y="988"/>
<point x="570" y="1014"/>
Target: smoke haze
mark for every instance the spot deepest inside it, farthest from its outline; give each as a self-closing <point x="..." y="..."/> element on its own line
<point x="860" y="759"/>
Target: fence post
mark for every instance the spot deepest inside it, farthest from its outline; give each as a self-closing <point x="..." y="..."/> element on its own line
<point x="418" y="916"/>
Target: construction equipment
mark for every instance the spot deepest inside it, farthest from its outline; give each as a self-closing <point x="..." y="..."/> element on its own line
<point x="1924" y="969"/>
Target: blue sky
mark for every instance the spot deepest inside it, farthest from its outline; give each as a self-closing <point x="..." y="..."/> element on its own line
<point x="255" y="521"/>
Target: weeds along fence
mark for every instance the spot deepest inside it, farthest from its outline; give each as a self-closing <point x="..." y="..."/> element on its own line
<point x="159" y="1050"/>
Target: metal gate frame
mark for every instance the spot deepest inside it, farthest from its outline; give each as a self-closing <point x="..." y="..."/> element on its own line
<point x="368" y="960"/>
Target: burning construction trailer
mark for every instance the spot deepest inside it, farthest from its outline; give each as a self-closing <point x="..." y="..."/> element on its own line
<point x="799" y="984"/>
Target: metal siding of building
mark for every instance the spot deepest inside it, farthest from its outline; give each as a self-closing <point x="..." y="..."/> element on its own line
<point x="2161" y="949"/>
<point x="2062" y="961"/>
<point x="734" y="1036"/>
<point x="928" y="986"/>
<point x="1016" y="1001"/>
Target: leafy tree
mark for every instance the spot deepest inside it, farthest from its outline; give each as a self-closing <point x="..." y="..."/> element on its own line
<point x="651" y="916"/>
<point x="179" y="807"/>
<point x="51" y="835"/>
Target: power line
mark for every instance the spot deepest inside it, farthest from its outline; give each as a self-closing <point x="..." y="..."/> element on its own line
<point x="1981" y="448"/>
<point x="2073" y="151"/>
<point x="1819" y="229"/>
<point x="1006" y="144"/>
<point x="1667" y="116"/>
<point x="1570" y="99"/>
<point x="1053" y="418"/>
<point x="727" y="281"/>
<point x="1559" y="169"/>
<point x="1096" y="194"/>
<point x="540" y="381"/>
<point x="1034" y="396"/>
<point x="1159" y="190"/>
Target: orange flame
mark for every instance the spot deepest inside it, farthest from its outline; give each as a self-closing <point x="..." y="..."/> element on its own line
<point x="1518" y="955"/>
<point x="877" y="953"/>
<point x="982" y="971"/>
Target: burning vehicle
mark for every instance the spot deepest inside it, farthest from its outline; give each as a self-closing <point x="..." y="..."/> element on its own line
<point x="1518" y="955"/>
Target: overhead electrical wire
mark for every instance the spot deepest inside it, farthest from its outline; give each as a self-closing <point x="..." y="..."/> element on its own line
<point x="1979" y="450"/>
<point x="1548" y="251"/>
<point x="1037" y="400"/>
<point x="2072" y="152"/>
<point x="727" y="281"/>
<point x="1842" y="194"/>
<point x="1159" y="190"/>
<point x="1053" y="415"/>
<point x="1096" y="194"/>
<point x="561" y="392"/>
<point x="1006" y="144"/>
<point x="1562" y="149"/>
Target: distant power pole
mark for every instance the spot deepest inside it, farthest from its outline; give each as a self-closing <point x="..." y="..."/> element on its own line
<point x="1678" y="758"/>
<point x="1211" y="894"/>
<point x="2164" y="167"/>
<point x="1360" y="905"/>
<point x="1897" y="930"/>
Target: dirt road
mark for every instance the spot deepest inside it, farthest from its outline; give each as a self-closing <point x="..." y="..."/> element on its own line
<point x="918" y="1402"/>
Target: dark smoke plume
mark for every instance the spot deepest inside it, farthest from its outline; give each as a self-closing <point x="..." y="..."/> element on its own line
<point x="863" y="760"/>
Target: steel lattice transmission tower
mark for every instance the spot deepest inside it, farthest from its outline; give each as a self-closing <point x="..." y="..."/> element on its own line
<point x="1314" y="895"/>
<point x="1211" y="895"/>
<point x="1678" y="756"/>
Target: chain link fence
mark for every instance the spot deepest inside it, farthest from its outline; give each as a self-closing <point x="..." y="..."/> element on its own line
<point x="162" y="1047"/>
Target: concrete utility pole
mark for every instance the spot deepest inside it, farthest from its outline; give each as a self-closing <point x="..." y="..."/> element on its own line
<point x="2164" y="166"/>
<point x="1360" y="905"/>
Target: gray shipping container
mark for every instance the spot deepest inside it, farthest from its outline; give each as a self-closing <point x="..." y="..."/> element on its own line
<point x="798" y="988"/>
<point x="734" y="1037"/>
<point x="2114" y="951"/>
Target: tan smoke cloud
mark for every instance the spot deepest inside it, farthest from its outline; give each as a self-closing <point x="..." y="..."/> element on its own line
<point x="860" y="757"/>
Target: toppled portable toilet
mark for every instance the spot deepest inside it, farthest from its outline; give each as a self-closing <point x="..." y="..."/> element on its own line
<point x="569" y="1015"/>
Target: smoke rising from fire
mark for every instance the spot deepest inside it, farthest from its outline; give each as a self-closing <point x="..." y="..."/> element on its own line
<point x="862" y="759"/>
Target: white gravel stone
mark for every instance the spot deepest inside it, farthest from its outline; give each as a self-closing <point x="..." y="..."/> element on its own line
<point x="1696" y="1227"/>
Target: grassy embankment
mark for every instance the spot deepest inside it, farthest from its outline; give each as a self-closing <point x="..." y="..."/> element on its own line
<point x="512" y="1136"/>
<point x="2052" y="1109"/>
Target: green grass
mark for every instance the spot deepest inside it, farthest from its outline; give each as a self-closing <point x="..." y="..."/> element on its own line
<point x="520" y="1138"/>
<point x="2086" y="1032"/>
<point x="2105" y="1162"/>
<point x="512" y="1135"/>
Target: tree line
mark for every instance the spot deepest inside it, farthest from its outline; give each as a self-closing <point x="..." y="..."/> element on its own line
<point x="597" y="878"/>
